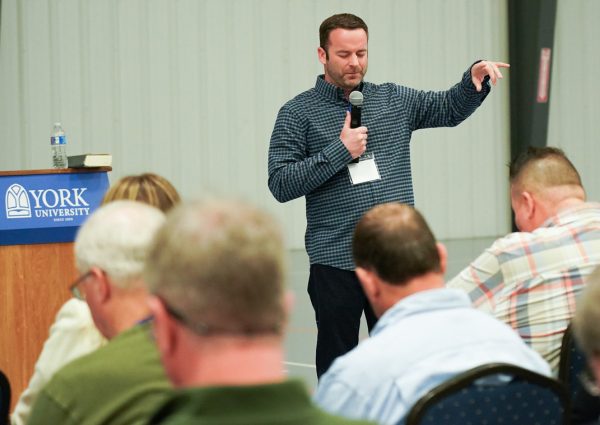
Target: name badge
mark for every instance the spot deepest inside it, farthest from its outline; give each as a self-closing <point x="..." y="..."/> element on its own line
<point x="365" y="170"/>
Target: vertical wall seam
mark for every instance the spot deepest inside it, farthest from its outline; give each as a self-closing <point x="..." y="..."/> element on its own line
<point x="20" y="75"/>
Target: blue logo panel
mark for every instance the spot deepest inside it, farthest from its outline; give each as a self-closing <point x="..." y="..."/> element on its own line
<point x="48" y="208"/>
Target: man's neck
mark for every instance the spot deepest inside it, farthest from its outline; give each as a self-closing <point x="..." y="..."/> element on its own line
<point x="129" y="309"/>
<point x="230" y="362"/>
<point x="426" y="282"/>
<point x="555" y="202"/>
<point x="348" y="91"/>
<point x="567" y="204"/>
<point x="345" y="90"/>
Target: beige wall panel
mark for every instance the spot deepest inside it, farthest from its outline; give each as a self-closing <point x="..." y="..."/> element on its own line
<point x="190" y="89"/>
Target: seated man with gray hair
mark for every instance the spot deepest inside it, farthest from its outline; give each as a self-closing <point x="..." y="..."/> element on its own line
<point x="122" y="382"/>
<point x="426" y="333"/>
<point x="216" y="272"/>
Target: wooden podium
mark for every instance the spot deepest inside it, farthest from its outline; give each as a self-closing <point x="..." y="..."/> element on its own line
<point x="42" y="211"/>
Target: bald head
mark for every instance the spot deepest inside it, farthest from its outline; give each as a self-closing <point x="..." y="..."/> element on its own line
<point x="539" y="169"/>
<point x="395" y="241"/>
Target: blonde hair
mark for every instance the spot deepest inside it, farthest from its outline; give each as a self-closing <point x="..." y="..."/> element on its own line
<point x="148" y="188"/>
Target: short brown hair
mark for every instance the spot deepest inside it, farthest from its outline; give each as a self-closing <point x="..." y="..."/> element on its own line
<point x="395" y="241"/>
<point x="546" y="167"/>
<point x="346" y="21"/>
<point x="148" y="188"/>
<point x="221" y="264"/>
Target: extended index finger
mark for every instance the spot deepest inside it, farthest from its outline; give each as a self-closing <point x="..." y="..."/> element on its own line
<point x="502" y="64"/>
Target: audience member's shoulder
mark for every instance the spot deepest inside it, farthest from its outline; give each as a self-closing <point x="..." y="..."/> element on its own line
<point x="298" y="102"/>
<point x="130" y="348"/>
<point x="174" y="411"/>
<point x="355" y="368"/>
<point x="515" y="240"/>
<point x="327" y="419"/>
<point x="74" y="312"/>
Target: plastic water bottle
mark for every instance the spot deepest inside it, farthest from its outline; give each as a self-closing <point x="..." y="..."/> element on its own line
<point x="58" y="144"/>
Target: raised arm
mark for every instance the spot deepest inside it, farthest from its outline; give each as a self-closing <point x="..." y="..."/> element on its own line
<point x="449" y="108"/>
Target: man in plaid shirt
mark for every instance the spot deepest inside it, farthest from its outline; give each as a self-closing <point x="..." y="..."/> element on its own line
<point x="530" y="279"/>
<point x="313" y="143"/>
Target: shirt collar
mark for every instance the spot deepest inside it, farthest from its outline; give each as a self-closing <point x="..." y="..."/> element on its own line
<point x="423" y="302"/>
<point x="570" y="215"/>
<point x="214" y="402"/>
<point x="145" y="320"/>
<point x="332" y="92"/>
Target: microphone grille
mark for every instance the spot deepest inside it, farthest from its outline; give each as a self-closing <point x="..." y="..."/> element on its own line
<point x="356" y="98"/>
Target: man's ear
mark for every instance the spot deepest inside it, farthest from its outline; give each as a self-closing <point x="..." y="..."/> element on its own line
<point x="101" y="286"/>
<point x="368" y="281"/>
<point x="443" y="253"/>
<point x="322" y="55"/>
<point x="529" y="203"/>
<point x="162" y="327"/>
<point x="288" y="301"/>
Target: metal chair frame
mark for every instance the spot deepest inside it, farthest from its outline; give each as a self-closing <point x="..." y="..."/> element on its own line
<point x="468" y="378"/>
<point x="568" y="350"/>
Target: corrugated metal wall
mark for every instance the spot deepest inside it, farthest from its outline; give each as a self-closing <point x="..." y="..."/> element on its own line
<point x="190" y="89"/>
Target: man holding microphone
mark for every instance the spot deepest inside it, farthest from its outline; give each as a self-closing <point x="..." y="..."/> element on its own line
<point x="313" y="152"/>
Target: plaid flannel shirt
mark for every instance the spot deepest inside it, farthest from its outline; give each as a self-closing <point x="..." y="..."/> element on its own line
<point x="307" y="157"/>
<point x="531" y="280"/>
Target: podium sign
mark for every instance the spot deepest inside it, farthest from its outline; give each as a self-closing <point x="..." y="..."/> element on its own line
<point x="48" y="208"/>
<point x="40" y="212"/>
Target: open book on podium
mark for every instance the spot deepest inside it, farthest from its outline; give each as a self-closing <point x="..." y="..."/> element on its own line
<point x="90" y="160"/>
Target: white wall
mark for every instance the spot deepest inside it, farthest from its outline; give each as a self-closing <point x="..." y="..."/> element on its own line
<point x="190" y="89"/>
<point x="574" y="108"/>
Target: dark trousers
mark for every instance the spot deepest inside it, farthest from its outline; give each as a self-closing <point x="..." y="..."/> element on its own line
<point x="338" y="300"/>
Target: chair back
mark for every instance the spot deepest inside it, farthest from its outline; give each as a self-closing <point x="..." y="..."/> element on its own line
<point x="4" y="399"/>
<point x="494" y="394"/>
<point x="571" y="364"/>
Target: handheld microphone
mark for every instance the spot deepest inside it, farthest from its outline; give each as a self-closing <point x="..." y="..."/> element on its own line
<point x="356" y="100"/>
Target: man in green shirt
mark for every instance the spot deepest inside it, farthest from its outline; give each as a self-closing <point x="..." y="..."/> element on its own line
<point x="122" y="382"/>
<point x="216" y="273"/>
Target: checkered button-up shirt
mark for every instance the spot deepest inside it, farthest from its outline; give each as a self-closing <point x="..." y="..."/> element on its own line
<point x="531" y="280"/>
<point x="307" y="157"/>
